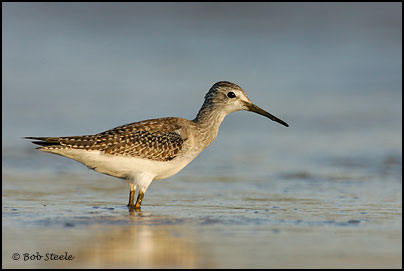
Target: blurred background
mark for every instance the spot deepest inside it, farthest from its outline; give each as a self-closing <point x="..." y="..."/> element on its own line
<point x="333" y="71"/>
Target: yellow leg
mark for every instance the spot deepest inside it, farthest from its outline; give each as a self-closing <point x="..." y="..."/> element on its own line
<point x="139" y="200"/>
<point x="131" y="194"/>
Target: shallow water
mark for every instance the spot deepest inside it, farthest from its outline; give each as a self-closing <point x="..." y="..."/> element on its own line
<point x="324" y="193"/>
<point x="196" y="220"/>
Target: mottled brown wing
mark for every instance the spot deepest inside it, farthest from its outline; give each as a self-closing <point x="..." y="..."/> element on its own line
<point x="157" y="139"/>
<point x="158" y="146"/>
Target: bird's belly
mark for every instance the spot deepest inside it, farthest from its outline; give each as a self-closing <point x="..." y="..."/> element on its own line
<point x="124" y="166"/>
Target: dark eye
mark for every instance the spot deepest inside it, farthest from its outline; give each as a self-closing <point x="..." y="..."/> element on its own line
<point x="231" y="95"/>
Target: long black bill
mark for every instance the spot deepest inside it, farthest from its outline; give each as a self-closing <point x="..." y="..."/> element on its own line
<point x="253" y="108"/>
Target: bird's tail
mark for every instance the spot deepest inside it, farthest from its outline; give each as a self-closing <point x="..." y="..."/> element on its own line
<point x="45" y="141"/>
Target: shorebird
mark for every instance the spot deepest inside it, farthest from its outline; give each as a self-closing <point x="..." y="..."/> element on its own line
<point x="154" y="149"/>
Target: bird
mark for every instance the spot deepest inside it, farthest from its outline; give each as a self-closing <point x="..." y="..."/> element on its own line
<point x="154" y="149"/>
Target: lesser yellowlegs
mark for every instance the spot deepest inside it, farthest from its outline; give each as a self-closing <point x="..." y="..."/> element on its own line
<point x="148" y="150"/>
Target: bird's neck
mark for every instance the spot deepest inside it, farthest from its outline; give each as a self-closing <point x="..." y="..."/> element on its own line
<point x="208" y="121"/>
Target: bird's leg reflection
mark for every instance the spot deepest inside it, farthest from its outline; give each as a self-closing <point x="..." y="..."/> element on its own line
<point x="132" y="209"/>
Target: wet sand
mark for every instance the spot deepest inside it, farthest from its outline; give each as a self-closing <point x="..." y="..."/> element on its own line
<point x="290" y="222"/>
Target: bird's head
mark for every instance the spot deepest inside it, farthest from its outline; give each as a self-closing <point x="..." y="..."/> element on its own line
<point x="230" y="97"/>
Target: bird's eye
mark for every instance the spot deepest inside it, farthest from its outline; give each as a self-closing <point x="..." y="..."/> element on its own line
<point x="231" y="95"/>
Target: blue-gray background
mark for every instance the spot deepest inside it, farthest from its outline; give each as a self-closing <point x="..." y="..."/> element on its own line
<point x="333" y="71"/>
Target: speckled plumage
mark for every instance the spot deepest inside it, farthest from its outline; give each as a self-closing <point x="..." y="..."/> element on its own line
<point x="155" y="139"/>
<point x="144" y="151"/>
